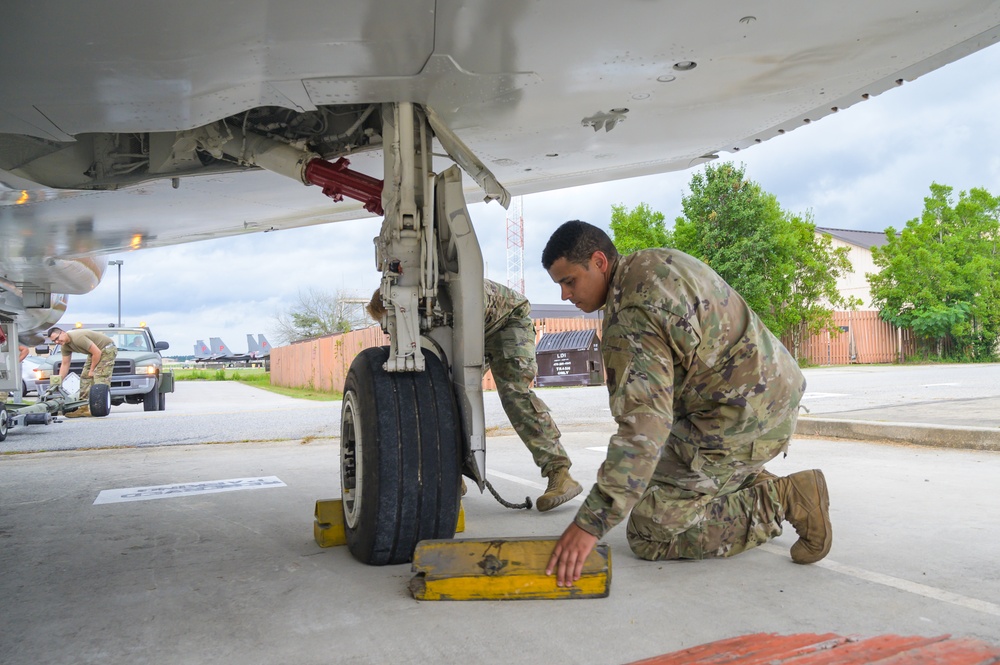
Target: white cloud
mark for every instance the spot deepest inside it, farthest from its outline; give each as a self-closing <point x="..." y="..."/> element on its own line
<point x="867" y="167"/>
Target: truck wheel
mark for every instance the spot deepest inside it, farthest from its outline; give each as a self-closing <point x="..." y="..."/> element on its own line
<point x="100" y="400"/>
<point x="151" y="400"/>
<point x="163" y="402"/>
<point x="400" y="458"/>
<point x="4" y="423"/>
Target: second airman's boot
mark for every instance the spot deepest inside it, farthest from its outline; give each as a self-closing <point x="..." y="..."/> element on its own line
<point x="561" y="489"/>
<point x="806" y="501"/>
<point x="82" y="412"/>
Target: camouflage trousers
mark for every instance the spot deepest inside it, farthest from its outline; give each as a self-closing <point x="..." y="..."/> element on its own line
<point x="102" y="373"/>
<point x="510" y="353"/>
<point x="718" y="510"/>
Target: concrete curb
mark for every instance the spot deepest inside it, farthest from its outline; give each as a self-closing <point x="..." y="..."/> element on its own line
<point x="942" y="436"/>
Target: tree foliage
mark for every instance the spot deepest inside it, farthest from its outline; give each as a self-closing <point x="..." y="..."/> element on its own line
<point x="770" y="257"/>
<point x="318" y="313"/>
<point x="818" y="265"/>
<point x="639" y="228"/>
<point x="939" y="275"/>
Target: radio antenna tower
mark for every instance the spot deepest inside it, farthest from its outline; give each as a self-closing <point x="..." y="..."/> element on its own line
<point x="515" y="246"/>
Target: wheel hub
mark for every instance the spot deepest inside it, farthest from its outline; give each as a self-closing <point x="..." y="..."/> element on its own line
<point x="350" y="461"/>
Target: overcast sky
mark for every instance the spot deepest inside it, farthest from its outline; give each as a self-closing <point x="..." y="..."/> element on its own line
<point x="868" y="167"/>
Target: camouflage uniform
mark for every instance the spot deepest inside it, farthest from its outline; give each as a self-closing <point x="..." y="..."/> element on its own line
<point x="79" y="342"/>
<point x="510" y="352"/>
<point x="703" y="395"/>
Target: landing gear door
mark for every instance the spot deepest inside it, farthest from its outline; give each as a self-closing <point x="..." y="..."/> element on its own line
<point x="462" y="265"/>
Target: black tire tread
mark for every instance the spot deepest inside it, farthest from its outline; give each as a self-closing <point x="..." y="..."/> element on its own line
<point x="412" y="479"/>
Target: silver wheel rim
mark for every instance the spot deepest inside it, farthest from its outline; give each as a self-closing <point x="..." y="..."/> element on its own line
<point x="350" y="461"/>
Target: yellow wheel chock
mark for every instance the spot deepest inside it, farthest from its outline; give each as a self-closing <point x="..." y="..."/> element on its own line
<point x="501" y="569"/>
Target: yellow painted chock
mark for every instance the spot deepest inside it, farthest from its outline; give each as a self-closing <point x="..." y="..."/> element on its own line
<point x="328" y="527"/>
<point x="501" y="569"/>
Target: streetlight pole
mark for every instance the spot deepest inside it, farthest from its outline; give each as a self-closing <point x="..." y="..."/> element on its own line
<point x="119" y="263"/>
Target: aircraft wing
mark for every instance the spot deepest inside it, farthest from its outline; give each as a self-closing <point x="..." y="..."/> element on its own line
<point x="132" y="125"/>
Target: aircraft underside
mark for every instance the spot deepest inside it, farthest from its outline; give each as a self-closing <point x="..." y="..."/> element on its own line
<point x="129" y="126"/>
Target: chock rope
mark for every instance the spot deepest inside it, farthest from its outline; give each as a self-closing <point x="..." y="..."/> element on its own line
<point x="507" y="504"/>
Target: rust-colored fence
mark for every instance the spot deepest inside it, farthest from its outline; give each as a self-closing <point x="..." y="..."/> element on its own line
<point x="323" y="363"/>
<point x="858" y="337"/>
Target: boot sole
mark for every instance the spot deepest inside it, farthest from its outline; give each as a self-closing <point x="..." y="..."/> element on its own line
<point x="559" y="500"/>
<point x="824" y="504"/>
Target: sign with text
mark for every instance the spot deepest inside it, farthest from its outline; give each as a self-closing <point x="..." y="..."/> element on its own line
<point x="186" y="489"/>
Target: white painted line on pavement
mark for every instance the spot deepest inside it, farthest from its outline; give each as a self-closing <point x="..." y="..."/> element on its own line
<point x="185" y="489"/>
<point x="901" y="584"/>
<point x="935" y="385"/>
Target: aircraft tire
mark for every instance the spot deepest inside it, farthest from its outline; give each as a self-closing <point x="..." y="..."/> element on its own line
<point x="400" y="458"/>
<point x="4" y="422"/>
<point x="151" y="400"/>
<point x="100" y="400"/>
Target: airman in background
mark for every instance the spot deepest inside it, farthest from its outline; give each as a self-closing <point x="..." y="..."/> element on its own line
<point x="100" y="364"/>
<point x="510" y="352"/>
<point x="703" y="394"/>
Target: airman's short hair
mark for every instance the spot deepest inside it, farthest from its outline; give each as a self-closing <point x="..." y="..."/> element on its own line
<point x="576" y="242"/>
<point x="375" y="308"/>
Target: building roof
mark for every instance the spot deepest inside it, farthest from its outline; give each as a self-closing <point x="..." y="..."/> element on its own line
<point x="866" y="239"/>
<point x="562" y="312"/>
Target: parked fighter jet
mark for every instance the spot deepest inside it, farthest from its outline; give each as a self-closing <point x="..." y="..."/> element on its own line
<point x="222" y="353"/>
<point x="258" y="350"/>
<point x="201" y="352"/>
<point x="382" y="105"/>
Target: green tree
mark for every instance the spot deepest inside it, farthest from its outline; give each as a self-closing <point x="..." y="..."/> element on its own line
<point x="814" y="292"/>
<point x="734" y="226"/>
<point x="639" y="228"/>
<point x="770" y="257"/>
<point x="939" y="275"/>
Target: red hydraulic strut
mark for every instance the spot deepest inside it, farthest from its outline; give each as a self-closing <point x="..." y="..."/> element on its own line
<point x="339" y="181"/>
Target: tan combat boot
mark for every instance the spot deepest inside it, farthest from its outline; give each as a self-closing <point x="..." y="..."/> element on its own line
<point x="561" y="489"/>
<point x="807" y="507"/>
<point x="82" y="412"/>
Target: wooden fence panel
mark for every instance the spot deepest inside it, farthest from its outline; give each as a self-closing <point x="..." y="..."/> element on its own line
<point x="323" y="363"/>
<point x="858" y="337"/>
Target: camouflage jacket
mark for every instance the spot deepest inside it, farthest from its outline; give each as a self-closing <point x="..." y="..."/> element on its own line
<point x="501" y="305"/>
<point x="686" y="358"/>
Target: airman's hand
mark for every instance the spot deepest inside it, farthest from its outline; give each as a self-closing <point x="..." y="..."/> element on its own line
<point x="571" y="551"/>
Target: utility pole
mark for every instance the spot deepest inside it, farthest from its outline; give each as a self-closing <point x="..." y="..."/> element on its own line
<point x="119" y="263"/>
